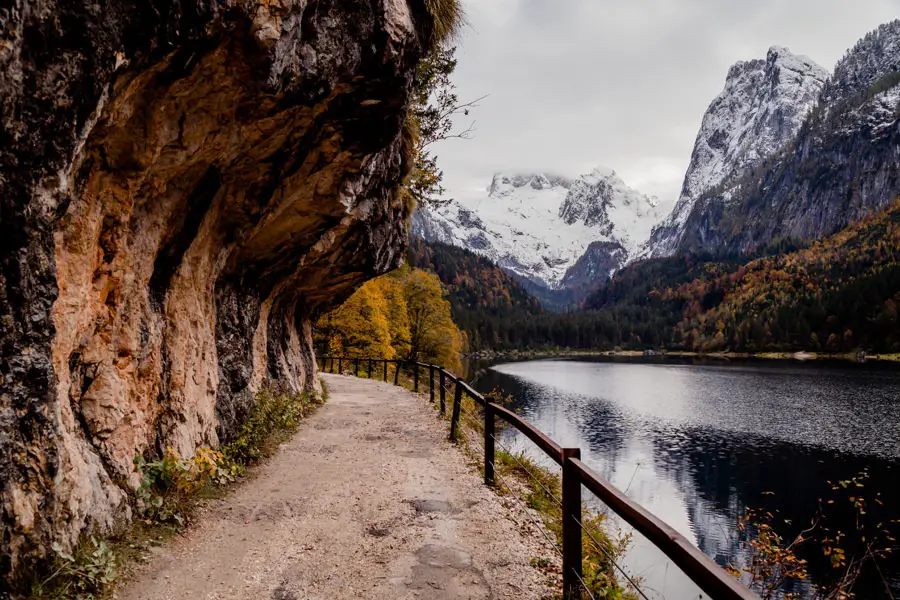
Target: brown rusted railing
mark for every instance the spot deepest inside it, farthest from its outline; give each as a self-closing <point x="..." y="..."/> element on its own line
<point x="701" y="569"/>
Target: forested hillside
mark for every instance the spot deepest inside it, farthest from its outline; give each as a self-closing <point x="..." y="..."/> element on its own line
<point x="840" y="294"/>
<point x="483" y="297"/>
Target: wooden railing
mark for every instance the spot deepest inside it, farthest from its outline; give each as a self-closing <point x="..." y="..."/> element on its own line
<point x="701" y="569"/>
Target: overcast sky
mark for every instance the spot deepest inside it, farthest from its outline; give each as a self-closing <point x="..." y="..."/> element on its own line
<point x="624" y="84"/>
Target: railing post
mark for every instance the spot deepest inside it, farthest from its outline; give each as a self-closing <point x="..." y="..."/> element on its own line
<point x="443" y="392"/>
<point x="370" y="368"/>
<point x="385" y="369"/>
<point x="397" y="373"/>
<point x="571" y="526"/>
<point x="340" y="364"/>
<point x="416" y="377"/>
<point x="454" y="419"/>
<point x="431" y="383"/>
<point x="356" y="367"/>
<point x="488" y="444"/>
<point x="332" y="364"/>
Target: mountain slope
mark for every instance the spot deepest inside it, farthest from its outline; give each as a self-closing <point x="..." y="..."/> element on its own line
<point x="843" y="162"/>
<point x="539" y="225"/>
<point x="481" y="294"/>
<point x="839" y="294"/>
<point x="762" y="106"/>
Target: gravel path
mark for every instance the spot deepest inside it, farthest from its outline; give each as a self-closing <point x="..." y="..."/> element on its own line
<point x="368" y="500"/>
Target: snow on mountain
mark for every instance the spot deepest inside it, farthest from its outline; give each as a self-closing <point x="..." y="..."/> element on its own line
<point x="761" y="108"/>
<point x="874" y="57"/>
<point x="539" y="224"/>
<point x="842" y="163"/>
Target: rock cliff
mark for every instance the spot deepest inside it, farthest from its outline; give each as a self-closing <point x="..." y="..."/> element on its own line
<point x="843" y="162"/>
<point x="763" y="105"/>
<point x="184" y="184"/>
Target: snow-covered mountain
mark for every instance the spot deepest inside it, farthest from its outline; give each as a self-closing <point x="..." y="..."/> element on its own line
<point x="538" y="225"/>
<point x="842" y="163"/>
<point x="872" y="59"/>
<point x="761" y="109"/>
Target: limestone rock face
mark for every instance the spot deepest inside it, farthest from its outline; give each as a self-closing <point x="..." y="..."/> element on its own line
<point x="184" y="184"/>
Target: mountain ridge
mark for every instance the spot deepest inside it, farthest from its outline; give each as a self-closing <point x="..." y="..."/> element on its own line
<point x="760" y="108"/>
<point x="842" y="163"/>
<point x="539" y="224"/>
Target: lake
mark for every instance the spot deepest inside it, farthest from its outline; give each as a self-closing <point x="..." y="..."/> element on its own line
<point x="698" y="443"/>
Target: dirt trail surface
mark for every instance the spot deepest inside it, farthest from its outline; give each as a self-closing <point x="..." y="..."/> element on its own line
<point x="368" y="500"/>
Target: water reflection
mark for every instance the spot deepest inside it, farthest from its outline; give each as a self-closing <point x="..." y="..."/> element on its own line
<point x="697" y="444"/>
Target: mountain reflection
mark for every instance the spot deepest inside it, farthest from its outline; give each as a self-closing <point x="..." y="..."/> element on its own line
<point x="697" y="445"/>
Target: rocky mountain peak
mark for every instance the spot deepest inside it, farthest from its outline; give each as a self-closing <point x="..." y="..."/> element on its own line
<point x="875" y="57"/>
<point x="843" y="161"/>
<point x="538" y="225"/>
<point x="760" y="109"/>
<point x="593" y="197"/>
<point x="504" y="182"/>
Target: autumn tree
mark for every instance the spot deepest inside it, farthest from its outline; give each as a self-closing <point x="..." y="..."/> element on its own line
<point x="401" y="315"/>
<point x="433" y="336"/>
<point x="359" y="327"/>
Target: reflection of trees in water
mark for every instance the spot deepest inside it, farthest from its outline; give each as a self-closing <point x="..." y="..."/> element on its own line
<point x="721" y="476"/>
<point x="599" y="427"/>
<point x="718" y="474"/>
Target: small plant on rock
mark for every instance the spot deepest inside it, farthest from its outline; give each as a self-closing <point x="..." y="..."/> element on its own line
<point x="168" y="482"/>
<point x="82" y="574"/>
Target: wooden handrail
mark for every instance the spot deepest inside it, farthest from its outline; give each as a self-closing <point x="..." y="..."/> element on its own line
<point x="711" y="578"/>
<point x="540" y="439"/>
<point x="701" y="569"/>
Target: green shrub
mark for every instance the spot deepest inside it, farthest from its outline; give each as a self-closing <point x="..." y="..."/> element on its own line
<point x="167" y="483"/>
<point x="274" y="417"/>
<point x="82" y="574"/>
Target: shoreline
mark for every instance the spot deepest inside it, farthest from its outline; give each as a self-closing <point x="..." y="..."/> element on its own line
<point x="799" y="356"/>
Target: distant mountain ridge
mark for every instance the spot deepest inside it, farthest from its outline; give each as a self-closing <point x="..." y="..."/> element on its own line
<point x="787" y="151"/>
<point x="840" y="163"/>
<point x="761" y="108"/>
<point x="548" y="229"/>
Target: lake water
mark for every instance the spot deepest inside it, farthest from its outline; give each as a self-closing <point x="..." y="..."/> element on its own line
<point x="697" y="444"/>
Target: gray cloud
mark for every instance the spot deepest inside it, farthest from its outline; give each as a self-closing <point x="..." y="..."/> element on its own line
<point x="578" y="83"/>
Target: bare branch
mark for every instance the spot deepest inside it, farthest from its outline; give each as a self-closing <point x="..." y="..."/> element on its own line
<point x="465" y="134"/>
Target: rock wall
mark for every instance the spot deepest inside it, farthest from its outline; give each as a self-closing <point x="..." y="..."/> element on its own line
<point x="184" y="184"/>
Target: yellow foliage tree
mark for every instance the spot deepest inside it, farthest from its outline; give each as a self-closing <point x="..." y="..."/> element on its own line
<point x="433" y="336"/>
<point x="401" y="315"/>
<point x="391" y="289"/>
<point x="359" y="327"/>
